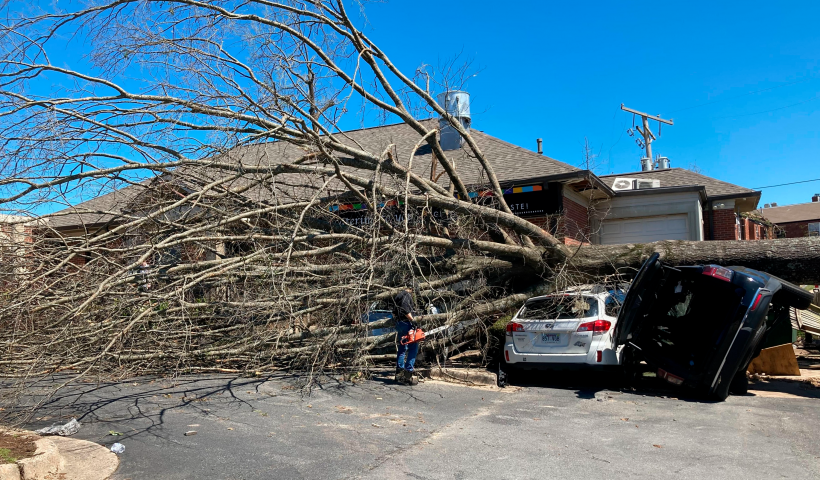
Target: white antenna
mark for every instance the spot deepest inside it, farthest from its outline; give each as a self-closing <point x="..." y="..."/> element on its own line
<point x="648" y="136"/>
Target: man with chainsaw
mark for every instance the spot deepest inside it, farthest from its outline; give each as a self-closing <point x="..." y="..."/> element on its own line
<point x="408" y="347"/>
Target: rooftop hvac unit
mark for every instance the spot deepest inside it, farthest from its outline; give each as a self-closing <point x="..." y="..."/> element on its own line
<point x="641" y="184"/>
<point x="626" y="183"/>
<point x="622" y="183"/>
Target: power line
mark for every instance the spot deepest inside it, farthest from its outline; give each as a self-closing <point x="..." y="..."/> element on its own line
<point x="784" y="184"/>
<point x="767" y="111"/>
<point x="741" y="95"/>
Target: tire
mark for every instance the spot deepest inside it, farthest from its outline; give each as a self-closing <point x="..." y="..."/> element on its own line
<point x="630" y="369"/>
<point x="740" y="384"/>
<point x="793" y="296"/>
<point x="506" y="374"/>
<point x="722" y="391"/>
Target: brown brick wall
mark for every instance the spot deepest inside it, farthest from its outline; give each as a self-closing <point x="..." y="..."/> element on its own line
<point x="725" y="225"/>
<point x="794" y="229"/>
<point x="751" y="230"/>
<point x="543" y="222"/>
<point x="574" y="225"/>
<point x="571" y="227"/>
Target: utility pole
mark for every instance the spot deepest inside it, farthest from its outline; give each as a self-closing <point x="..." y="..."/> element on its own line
<point x="648" y="136"/>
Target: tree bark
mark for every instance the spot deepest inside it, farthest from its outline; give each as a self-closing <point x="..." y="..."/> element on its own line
<point x="796" y="260"/>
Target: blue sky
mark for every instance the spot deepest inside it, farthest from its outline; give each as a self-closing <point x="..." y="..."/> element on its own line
<point x="740" y="79"/>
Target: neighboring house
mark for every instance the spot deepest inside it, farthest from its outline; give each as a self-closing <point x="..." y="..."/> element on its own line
<point x="575" y="205"/>
<point x="15" y="245"/>
<point x="673" y="204"/>
<point x="791" y="221"/>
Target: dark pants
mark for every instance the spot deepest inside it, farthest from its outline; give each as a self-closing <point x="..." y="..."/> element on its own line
<point x="406" y="358"/>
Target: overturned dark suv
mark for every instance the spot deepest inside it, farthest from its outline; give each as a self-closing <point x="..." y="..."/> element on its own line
<point x="700" y="326"/>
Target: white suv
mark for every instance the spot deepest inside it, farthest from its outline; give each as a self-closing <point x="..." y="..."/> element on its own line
<point x="572" y="327"/>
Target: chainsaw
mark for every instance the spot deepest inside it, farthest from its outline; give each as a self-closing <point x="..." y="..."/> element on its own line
<point x="416" y="334"/>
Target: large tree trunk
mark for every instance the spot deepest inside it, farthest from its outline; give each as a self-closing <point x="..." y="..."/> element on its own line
<point x="795" y="259"/>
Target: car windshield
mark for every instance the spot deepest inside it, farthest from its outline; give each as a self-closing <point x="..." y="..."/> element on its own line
<point x="613" y="302"/>
<point x="382" y="306"/>
<point x="559" y="308"/>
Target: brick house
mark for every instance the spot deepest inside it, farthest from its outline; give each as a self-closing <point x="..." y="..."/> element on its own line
<point x="792" y="221"/>
<point x="575" y="205"/>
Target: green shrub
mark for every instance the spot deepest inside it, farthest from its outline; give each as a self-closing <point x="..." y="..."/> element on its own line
<point x="496" y="335"/>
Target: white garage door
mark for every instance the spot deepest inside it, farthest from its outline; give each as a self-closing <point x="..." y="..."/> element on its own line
<point x="645" y="229"/>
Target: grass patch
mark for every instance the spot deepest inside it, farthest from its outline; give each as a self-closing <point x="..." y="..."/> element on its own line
<point x="6" y="456"/>
<point x="14" y="447"/>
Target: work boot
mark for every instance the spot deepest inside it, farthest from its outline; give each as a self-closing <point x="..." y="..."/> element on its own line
<point x="400" y="376"/>
<point x="410" y="379"/>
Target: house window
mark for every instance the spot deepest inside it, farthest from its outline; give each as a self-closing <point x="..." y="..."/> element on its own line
<point x="737" y="228"/>
<point x="814" y="229"/>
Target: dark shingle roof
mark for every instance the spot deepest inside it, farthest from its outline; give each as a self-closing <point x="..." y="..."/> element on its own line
<point x="510" y="162"/>
<point x="678" y="177"/>
<point x="801" y="212"/>
<point x="97" y="211"/>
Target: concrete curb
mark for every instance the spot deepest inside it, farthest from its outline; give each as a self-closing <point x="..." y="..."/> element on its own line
<point x="463" y="375"/>
<point x="86" y="460"/>
<point x="9" y="471"/>
<point x="64" y="458"/>
<point x="46" y="461"/>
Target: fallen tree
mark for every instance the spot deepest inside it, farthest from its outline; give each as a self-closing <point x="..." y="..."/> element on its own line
<point x="794" y="259"/>
<point x="205" y="150"/>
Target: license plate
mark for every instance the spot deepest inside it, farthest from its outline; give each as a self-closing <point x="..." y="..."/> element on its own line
<point x="550" y="338"/>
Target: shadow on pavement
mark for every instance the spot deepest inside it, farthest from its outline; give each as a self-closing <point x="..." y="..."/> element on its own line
<point x="145" y="402"/>
<point x="146" y="398"/>
<point x="783" y="388"/>
<point x="588" y="383"/>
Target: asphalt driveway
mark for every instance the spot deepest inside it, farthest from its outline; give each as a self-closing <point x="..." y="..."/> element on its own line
<point x="271" y="428"/>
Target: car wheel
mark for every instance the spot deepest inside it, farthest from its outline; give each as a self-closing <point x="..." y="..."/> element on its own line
<point x="505" y="374"/>
<point x="722" y="391"/>
<point x="740" y="384"/>
<point x="630" y="369"/>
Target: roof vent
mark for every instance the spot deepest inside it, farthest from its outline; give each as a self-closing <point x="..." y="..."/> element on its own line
<point x="457" y="104"/>
<point x="774" y="204"/>
<point x="815" y="197"/>
<point x="767" y="205"/>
